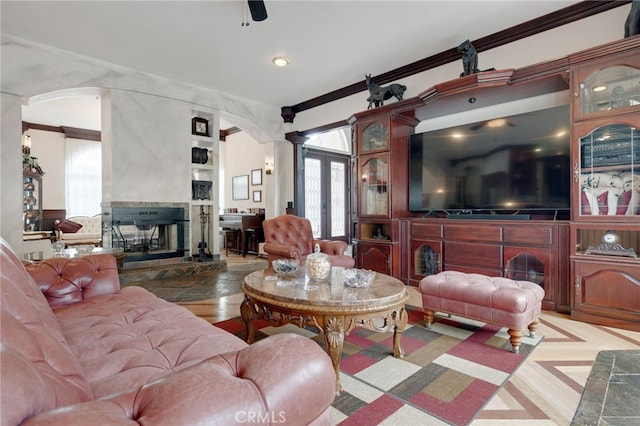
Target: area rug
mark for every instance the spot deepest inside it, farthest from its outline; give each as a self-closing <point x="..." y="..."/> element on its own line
<point x="447" y="376"/>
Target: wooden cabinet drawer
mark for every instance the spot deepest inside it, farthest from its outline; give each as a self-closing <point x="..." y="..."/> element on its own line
<point x="485" y="255"/>
<point x="534" y="235"/>
<point x="489" y="272"/>
<point x="472" y="232"/>
<point x="425" y="230"/>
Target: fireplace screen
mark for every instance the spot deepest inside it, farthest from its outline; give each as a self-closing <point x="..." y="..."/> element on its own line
<point x="147" y="233"/>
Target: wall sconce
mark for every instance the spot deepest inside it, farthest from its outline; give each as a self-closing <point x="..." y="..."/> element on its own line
<point x="268" y="168"/>
<point x="26" y="144"/>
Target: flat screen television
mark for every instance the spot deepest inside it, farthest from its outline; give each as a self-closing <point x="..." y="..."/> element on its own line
<point x="505" y="165"/>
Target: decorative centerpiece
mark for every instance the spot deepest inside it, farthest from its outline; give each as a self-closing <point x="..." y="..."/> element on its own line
<point x="358" y="277"/>
<point x="318" y="265"/>
<point x="285" y="267"/>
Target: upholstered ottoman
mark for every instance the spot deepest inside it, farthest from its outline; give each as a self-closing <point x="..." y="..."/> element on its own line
<point x="496" y="300"/>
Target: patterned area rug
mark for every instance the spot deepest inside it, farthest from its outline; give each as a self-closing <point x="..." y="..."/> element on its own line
<point x="448" y="374"/>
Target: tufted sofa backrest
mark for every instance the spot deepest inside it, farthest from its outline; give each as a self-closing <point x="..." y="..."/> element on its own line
<point x="289" y="230"/>
<point x="65" y="280"/>
<point x="39" y="371"/>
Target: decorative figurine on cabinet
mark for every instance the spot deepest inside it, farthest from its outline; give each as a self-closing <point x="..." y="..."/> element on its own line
<point x="632" y="24"/>
<point x="469" y="59"/>
<point x="378" y="94"/>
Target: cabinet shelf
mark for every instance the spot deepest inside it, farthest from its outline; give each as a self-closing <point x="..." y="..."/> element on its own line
<point x="203" y="175"/>
<point x="32" y="200"/>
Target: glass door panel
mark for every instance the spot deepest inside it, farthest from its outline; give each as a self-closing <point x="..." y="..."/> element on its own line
<point x="609" y="175"/>
<point x="375" y="137"/>
<point x="374" y="199"/>
<point x="610" y="89"/>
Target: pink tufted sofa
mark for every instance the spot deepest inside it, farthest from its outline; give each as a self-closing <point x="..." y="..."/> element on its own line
<point x="290" y="237"/>
<point x="78" y="350"/>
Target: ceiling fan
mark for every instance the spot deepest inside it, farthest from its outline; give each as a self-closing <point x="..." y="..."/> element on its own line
<point x="258" y="10"/>
<point x="496" y="122"/>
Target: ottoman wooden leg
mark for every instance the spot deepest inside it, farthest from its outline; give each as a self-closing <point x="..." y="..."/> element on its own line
<point x="516" y="339"/>
<point x="533" y="327"/>
<point x="428" y="317"/>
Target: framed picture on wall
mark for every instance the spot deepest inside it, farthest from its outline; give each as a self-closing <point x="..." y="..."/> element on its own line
<point x="240" y="187"/>
<point x="256" y="177"/>
<point x="257" y="196"/>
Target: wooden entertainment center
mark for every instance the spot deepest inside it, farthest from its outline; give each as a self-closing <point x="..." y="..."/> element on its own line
<point x="587" y="261"/>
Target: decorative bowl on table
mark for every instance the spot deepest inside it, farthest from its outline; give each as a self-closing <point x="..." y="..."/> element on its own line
<point x="285" y="267"/>
<point x="357" y="278"/>
<point x="84" y="249"/>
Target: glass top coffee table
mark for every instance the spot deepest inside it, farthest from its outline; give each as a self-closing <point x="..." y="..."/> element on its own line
<point x="327" y="306"/>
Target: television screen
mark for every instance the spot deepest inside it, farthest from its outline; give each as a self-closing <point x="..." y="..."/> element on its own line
<point x="520" y="162"/>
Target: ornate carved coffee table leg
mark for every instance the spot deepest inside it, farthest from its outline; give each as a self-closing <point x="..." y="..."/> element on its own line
<point x="246" y="311"/>
<point x="334" y="338"/>
<point x="400" y="317"/>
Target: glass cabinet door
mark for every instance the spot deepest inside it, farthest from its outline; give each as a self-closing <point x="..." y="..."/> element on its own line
<point x="610" y="89"/>
<point x="31" y="203"/>
<point x="375" y="137"/>
<point x="426" y="258"/>
<point x="609" y="172"/>
<point x="374" y="186"/>
<point x="525" y="267"/>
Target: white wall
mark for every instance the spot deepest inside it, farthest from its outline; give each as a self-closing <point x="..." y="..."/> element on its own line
<point x="148" y="142"/>
<point x="49" y="148"/>
<point x="11" y="172"/>
<point x="240" y="154"/>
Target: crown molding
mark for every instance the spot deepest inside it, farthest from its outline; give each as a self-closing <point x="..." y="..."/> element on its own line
<point x="69" y="132"/>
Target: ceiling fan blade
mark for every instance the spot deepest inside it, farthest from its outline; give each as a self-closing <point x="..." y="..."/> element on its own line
<point x="257" y="9"/>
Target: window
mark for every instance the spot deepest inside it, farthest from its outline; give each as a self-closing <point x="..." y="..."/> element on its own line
<point x="337" y="140"/>
<point x="83" y="177"/>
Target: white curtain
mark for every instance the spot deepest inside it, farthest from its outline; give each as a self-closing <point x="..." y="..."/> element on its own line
<point x="83" y="184"/>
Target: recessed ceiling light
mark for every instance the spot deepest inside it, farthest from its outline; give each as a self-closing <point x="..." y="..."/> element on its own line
<point x="599" y="88"/>
<point x="280" y="61"/>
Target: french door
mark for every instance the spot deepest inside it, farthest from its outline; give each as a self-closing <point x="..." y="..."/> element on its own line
<point x="326" y="198"/>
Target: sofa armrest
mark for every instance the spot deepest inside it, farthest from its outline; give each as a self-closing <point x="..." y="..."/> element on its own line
<point x="281" y="250"/>
<point x="285" y="379"/>
<point x="64" y="281"/>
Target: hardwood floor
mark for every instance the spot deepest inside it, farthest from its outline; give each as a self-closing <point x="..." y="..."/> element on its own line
<point x="545" y="390"/>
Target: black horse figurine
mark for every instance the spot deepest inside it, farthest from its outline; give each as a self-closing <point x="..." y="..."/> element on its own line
<point x="378" y="94"/>
<point x="632" y="24"/>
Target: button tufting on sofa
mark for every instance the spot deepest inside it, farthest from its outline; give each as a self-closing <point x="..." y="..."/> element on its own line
<point x="88" y="350"/>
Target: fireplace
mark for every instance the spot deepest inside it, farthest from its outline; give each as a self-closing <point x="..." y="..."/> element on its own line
<point x="145" y="232"/>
